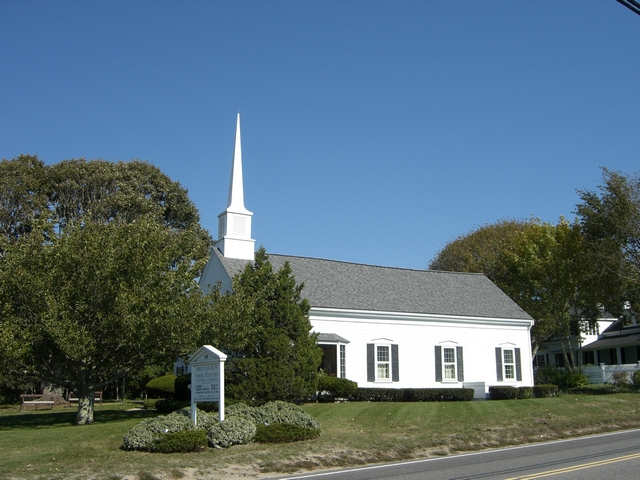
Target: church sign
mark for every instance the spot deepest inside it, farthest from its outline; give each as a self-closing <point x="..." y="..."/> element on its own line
<point x="207" y="379"/>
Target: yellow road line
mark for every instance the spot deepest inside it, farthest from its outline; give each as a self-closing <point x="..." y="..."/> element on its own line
<point x="577" y="467"/>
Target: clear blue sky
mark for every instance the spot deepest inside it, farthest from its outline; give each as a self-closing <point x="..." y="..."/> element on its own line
<point x="373" y="131"/>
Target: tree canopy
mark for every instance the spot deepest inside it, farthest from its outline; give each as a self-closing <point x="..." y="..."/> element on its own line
<point x="98" y="262"/>
<point x="264" y="328"/>
<point x="610" y="223"/>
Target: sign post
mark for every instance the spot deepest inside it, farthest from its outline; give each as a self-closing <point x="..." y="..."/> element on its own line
<point x="207" y="379"/>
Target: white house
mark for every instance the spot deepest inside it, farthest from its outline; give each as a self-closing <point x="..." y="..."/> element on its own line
<point x="390" y="327"/>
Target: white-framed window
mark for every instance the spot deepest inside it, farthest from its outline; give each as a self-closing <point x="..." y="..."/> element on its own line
<point x="449" y="363"/>
<point x="383" y="363"/>
<point x="509" y="364"/>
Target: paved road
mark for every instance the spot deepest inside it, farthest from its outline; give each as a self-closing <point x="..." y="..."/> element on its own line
<point x="610" y="456"/>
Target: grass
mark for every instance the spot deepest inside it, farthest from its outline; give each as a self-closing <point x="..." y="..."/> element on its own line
<point x="46" y="444"/>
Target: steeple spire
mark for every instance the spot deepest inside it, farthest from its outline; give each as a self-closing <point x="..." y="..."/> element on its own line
<point x="236" y="188"/>
<point x="234" y="224"/>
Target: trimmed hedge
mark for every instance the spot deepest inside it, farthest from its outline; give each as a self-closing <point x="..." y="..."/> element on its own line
<point x="602" y="389"/>
<point x="166" y="405"/>
<point x="525" y="393"/>
<point x="284" y="433"/>
<point x="181" y="387"/>
<point x="335" y="387"/>
<point x="503" y="393"/>
<point x="161" y="387"/>
<point x="412" y="395"/>
<point x="545" y="391"/>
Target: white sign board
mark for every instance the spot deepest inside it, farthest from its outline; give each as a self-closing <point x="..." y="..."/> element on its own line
<point x="205" y="382"/>
<point x="207" y="379"/>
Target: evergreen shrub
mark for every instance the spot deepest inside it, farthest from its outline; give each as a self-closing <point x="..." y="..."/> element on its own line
<point x="412" y="395"/>
<point x="335" y="387"/>
<point x="150" y="403"/>
<point x="503" y="393"/>
<point x="233" y="431"/>
<point x="545" y="391"/>
<point x="635" y="379"/>
<point x="166" y="405"/>
<point x="284" y="433"/>
<point x="181" y="387"/>
<point x="161" y="387"/>
<point x="562" y="377"/>
<point x="181" y="442"/>
<point x="525" y="392"/>
<point x="603" y="389"/>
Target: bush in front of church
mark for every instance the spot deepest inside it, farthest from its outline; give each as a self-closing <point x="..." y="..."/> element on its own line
<point x="161" y="387"/>
<point x="330" y="388"/>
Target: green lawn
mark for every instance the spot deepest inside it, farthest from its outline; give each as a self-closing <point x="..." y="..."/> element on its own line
<point x="46" y="444"/>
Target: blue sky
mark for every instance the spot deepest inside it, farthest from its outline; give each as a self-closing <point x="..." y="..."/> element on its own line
<point x="373" y="131"/>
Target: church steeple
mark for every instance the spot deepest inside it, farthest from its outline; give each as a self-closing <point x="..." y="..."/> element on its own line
<point x="234" y="224"/>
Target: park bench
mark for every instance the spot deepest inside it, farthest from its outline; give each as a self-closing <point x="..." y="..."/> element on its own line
<point x="35" y="399"/>
<point x="72" y="398"/>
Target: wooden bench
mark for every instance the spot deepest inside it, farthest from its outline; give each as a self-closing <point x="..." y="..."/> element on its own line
<point x="35" y="399"/>
<point x="72" y="398"/>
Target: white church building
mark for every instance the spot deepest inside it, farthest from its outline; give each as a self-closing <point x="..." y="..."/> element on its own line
<point x="390" y="327"/>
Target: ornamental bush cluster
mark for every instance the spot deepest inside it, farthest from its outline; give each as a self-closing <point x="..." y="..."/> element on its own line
<point x="160" y="434"/>
<point x="412" y="395"/>
<point x="503" y="392"/>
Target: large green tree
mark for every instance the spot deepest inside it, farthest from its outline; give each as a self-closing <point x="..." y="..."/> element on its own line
<point x="484" y="250"/>
<point x="97" y="280"/>
<point x="264" y="328"/>
<point x="549" y="279"/>
<point x="610" y="223"/>
<point x="539" y="265"/>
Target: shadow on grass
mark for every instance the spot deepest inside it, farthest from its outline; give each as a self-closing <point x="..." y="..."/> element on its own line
<point x="67" y="417"/>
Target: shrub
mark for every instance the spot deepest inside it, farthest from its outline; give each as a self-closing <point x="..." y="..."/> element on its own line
<point x="166" y="405"/>
<point x="503" y="393"/>
<point x="635" y="379"/>
<point x="183" y="441"/>
<point x="150" y="403"/>
<point x="284" y="412"/>
<point x="603" y="389"/>
<point x="545" y="391"/>
<point x="438" y="394"/>
<point x="621" y="379"/>
<point x="525" y="392"/>
<point x="161" y="387"/>
<point x="561" y="377"/>
<point x="412" y="395"/>
<point x="336" y="387"/>
<point x="377" y="395"/>
<point x="283" y="433"/>
<point x="144" y="435"/>
<point x="181" y="387"/>
<point x="233" y="431"/>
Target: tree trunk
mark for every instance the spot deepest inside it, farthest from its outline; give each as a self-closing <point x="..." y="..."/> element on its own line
<point x="85" y="408"/>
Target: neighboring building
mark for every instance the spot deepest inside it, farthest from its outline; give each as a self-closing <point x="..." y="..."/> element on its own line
<point x="616" y="345"/>
<point x="390" y="327"/>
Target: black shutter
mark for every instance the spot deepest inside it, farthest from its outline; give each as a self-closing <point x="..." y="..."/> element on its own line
<point x="518" y="365"/>
<point x="395" y="364"/>
<point x="438" y="363"/>
<point x="371" y="365"/>
<point x="460" y="364"/>
<point x="499" y="363"/>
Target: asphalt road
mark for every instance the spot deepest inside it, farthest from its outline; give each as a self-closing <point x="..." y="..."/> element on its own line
<point x="609" y="456"/>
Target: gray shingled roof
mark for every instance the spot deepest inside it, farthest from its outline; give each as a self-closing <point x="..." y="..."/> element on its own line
<point x="353" y="286"/>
